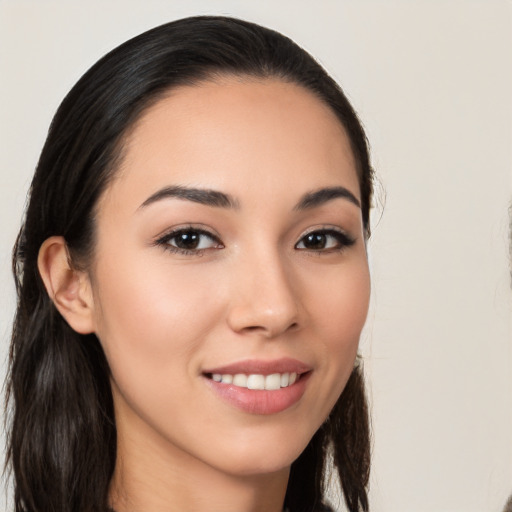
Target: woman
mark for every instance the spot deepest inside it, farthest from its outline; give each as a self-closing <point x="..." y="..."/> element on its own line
<point x="192" y="283"/>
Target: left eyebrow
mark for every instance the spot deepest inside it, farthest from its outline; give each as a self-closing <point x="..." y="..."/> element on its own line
<point x="323" y="195"/>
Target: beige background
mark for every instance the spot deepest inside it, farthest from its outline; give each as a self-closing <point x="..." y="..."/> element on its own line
<point x="432" y="81"/>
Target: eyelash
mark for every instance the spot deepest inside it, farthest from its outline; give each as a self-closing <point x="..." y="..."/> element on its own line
<point x="343" y="241"/>
<point x="164" y="241"/>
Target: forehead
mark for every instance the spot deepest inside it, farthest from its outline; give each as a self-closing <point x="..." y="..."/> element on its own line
<point x="238" y="132"/>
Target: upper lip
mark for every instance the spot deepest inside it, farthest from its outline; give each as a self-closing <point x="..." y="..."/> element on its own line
<point x="262" y="367"/>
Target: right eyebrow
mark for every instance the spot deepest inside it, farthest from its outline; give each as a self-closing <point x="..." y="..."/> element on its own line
<point x="207" y="197"/>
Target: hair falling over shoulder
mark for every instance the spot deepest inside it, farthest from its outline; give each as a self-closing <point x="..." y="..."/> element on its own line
<point x="61" y="445"/>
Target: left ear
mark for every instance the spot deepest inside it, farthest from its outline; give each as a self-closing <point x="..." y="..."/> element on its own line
<point x="69" y="289"/>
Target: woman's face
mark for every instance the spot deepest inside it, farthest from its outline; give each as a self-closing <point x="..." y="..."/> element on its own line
<point x="230" y="244"/>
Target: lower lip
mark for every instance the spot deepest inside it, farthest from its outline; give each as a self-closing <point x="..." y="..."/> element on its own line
<point x="256" y="401"/>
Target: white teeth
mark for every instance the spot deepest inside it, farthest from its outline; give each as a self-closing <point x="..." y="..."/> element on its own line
<point x="227" y="379"/>
<point x="273" y="381"/>
<point x="257" y="381"/>
<point x="240" y="380"/>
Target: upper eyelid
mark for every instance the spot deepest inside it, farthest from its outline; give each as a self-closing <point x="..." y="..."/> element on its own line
<point x="326" y="228"/>
<point x="164" y="240"/>
<point x="170" y="232"/>
<point x="345" y="238"/>
<point x="174" y="231"/>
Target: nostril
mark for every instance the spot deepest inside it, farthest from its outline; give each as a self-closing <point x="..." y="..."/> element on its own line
<point x="253" y="328"/>
<point x="256" y="328"/>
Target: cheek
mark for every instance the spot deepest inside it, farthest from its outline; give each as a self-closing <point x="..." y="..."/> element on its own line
<point x="340" y="314"/>
<point x="148" y="312"/>
<point x="339" y="303"/>
<point x="351" y="309"/>
<point x="152" y="321"/>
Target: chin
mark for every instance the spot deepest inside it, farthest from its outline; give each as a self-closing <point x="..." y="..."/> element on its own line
<point x="265" y="455"/>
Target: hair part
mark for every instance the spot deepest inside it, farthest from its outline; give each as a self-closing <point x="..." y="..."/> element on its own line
<point x="61" y="443"/>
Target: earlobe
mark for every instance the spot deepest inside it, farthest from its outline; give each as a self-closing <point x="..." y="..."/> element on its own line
<point x="68" y="288"/>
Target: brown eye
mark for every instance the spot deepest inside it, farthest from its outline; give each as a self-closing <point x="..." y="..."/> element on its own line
<point x="189" y="241"/>
<point x="315" y="241"/>
<point x="324" y="240"/>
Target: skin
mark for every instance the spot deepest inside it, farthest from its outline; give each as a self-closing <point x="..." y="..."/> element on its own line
<point x="253" y="291"/>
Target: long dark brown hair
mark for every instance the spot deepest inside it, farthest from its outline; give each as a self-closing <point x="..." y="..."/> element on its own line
<point x="61" y="444"/>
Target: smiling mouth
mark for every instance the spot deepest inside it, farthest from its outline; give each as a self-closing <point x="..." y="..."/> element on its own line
<point x="256" y="381"/>
<point x="260" y="387"/>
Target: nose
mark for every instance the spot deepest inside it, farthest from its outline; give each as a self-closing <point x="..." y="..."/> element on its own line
<point x="264" y="298"/>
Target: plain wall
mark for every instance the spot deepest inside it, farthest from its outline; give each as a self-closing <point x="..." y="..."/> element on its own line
<point x="432" y="81"/>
